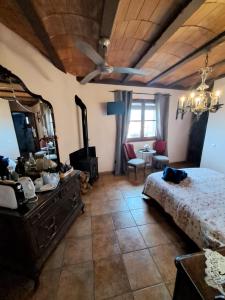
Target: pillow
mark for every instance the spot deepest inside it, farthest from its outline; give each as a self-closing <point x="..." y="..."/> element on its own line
<point x="160" y="147"/>
<point x="130" y="151"/>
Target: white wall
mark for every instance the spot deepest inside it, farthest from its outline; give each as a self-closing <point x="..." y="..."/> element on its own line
<point x="213" y="155"/>
<point x="42" y="78"/>
<point x="102" y="128"/>
<point x="8" y="141"/>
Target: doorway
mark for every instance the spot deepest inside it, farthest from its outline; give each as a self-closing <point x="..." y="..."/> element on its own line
<point x="26" y="133"/>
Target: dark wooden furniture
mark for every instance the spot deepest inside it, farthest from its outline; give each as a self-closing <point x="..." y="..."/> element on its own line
<point x="190" y="280"/>
<point x="28" y="235"/>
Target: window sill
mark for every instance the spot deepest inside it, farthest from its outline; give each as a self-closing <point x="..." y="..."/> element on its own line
<point x="142" y="139"/>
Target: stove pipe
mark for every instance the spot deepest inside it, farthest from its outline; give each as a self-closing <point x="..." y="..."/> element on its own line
<point x="83" y="108"/>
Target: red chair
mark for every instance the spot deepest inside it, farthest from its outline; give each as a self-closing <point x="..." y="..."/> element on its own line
<point x="160" y="161"/>
<point x="131" y="158"/>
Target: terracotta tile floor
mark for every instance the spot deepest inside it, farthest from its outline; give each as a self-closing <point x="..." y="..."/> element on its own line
<point x="122" y="248"/>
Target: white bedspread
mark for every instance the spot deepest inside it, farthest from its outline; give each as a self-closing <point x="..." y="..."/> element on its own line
<point x="197" y="204"/>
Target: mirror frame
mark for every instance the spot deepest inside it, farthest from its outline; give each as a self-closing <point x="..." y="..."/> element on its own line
<point x="6" y="72"/>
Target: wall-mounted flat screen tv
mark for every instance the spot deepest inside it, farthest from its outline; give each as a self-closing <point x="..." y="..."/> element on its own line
<point x="115" y="108"/>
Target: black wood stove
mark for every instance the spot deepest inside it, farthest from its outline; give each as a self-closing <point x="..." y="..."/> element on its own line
<point x="85" y="159"/>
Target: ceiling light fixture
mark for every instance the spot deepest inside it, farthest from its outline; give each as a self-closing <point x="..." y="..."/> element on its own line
<point x="200" y="100"/>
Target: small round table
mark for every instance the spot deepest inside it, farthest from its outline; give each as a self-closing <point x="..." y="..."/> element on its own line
<point x="147" y="155"/>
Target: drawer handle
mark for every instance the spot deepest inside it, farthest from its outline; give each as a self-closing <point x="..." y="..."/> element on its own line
<point x="49" y="237"/>
<point x="51" y="225"/>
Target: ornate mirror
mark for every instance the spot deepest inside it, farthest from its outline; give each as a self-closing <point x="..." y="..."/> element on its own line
<point x="27" y="127"/>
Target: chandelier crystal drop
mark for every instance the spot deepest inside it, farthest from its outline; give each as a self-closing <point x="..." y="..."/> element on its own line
<point x="200" y="100"/>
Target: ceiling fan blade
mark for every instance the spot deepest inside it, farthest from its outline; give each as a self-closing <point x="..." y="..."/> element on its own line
<point x="124" y="70"/>
<point x="90" y="52"/>
<point x="90" y="76"/>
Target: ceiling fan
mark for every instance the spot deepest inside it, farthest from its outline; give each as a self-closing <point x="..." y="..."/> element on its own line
<point x="102" y="67"/>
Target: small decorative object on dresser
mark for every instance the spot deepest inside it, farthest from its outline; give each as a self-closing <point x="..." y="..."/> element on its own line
<point x="29" y="234"/>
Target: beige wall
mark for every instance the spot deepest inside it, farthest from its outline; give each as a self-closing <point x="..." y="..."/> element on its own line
<point x="213" y="155"/>
<point x="8" y="141"/>
<point x="102" y="128"/>
<point x="42" y="78"/>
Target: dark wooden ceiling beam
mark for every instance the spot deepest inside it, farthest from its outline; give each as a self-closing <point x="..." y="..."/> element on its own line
<point x="201" y="50"/>
<point x="30" y="13"/>
<point x="108" y="18"/>
<point x="178" y="20"/>
<point x="129" y="83"/>
<point x="109" y="13"/>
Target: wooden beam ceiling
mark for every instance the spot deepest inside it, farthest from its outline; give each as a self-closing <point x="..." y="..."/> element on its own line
<point x="35" y="22"/>
<point x="201" y="50"/>
<point x="169" y="38"/>
<point x="178" y="83"/>
<point x="178" y="19"/>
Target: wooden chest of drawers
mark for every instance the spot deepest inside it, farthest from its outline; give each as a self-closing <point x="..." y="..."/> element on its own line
<point x="29" y="235"/>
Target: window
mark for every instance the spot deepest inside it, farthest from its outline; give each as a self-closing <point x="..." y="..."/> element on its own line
<point x="142" y="125"/>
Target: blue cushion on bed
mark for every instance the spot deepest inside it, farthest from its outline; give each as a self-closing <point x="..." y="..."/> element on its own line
<point x="173" y="175"/>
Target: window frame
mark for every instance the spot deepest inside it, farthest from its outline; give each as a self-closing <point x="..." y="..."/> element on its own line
<point x="142" y="138"/>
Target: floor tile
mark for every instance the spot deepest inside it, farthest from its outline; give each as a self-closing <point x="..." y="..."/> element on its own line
<point x="98" y="197"/>
<point x="106" y="207"/>
<point x="102" y="223"/>
<point x="157" y="292"/>
<point x="117" y="205"/>
<point x="98" y="194"/>
<point x="164" y="257"/>
<point x="141" y="269"/>
<point x="105" y="245"/>
<point x="113" y="194"/>
<point x="153" y="235"/>
<point x="55" y="260"/>
<point x="127" y="296"/>
<point x="146" y="216"/>
<point x="136" y="202"/>
<point x="130" y="239"/>
<point x="76" y="282"/>
<point x="171" y="232"/>
<point x="170" y="286"/>
<point x="78" y="250"/>
<point x="80" y="227"/>
<point x="132" y="192"/>
<point x="99" y="208"/>
<point x="87" y="209"/>
<point x="123" y="220"/>
<point x="48" y="286"/>
<point x="110" y="278"/>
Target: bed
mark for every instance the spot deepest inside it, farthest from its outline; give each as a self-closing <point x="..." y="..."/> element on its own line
<point x="197" y="204"/>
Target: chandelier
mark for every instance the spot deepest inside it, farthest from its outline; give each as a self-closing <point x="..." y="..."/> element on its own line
<point x="200" y="100"/>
